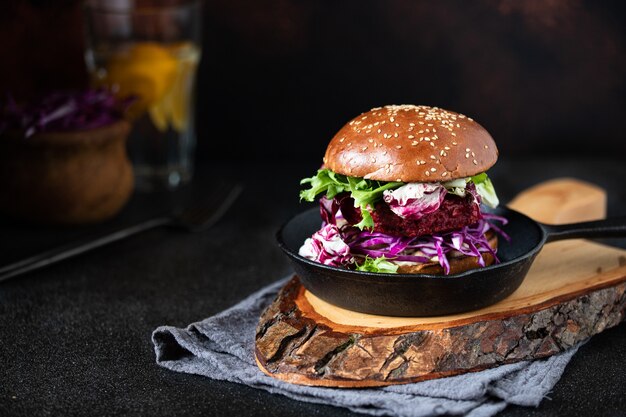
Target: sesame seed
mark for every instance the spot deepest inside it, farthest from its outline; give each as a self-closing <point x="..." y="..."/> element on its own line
<point x="486" y="147"/>
<point x="378" y="131"/>
<point x="443" y="174"/>
<point x="431" y="144"/>
<point x="411" y="124"/>
<point x="367" y="131"/>
<point x="453" y="134"/>
<point x="447" y="148"/>
<point x="399" y="146"/>
<point x="433" y="169"/>
<point x="467" y="149"/>
<point x="411" y="136"/>
<point x="475" y="163"/>
<point x="399" y="179"/>
<point x="349" y="143"/>
<point x="395" y="135"/>
<point x="414" y="143"/>
<point x="370" y="140"/>
<point x="342" y="139"/>
<point x="454" y="143"/>
<point x="433" y="157"/>
<point x="364" y="148"/>
<point x="467" y="155"/>
<point x="427" y="139"/>
<point x="473" y="154"/>
<point x="427" y="173"/>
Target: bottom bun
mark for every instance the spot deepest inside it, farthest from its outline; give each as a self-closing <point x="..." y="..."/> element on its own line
<point x="458" y="263"/>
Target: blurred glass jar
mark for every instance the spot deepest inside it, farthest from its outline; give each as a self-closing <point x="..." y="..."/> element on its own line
<point x="150" y="50"/>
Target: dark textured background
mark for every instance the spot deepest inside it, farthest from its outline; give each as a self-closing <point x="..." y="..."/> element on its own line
<point x="279" y="77"/>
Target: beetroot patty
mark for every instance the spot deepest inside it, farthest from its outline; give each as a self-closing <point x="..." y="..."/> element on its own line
<point x="454" y="213"/>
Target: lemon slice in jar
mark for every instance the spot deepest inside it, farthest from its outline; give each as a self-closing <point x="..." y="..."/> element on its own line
<point x="173" y="110"/>
<point x="145" y="70"/>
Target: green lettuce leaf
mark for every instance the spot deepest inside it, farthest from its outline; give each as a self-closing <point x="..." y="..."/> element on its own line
<point x="365" y="192"/>
<point x="377" y="265"/>
<point x="485" y="189"/>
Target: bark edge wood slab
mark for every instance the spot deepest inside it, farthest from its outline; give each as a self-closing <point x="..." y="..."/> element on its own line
<point x="295" y="344"/>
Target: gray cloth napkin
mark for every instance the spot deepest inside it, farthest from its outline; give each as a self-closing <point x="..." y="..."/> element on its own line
<point x="221" y="347"/>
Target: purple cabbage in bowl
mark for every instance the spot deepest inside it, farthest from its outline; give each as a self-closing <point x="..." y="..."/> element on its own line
<point x="63" y="111"/>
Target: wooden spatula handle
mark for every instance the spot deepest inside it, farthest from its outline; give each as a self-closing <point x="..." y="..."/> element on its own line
<point x="562" y="200"/>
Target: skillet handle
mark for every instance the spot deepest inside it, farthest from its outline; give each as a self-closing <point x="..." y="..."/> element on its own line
<point x="613" y="227"/>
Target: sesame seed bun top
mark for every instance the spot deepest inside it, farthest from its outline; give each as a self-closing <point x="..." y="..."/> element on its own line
<point x="411" y="144"/>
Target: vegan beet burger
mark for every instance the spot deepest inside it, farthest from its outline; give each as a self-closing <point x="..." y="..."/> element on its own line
<point x="403" y="189"/>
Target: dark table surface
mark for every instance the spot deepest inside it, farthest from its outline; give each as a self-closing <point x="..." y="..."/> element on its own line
<point x="75" y="337"/>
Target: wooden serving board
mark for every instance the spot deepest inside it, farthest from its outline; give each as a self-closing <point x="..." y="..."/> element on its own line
<point x="575" y="289"/>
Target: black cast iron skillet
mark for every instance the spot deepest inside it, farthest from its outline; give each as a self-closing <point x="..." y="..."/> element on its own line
<point x="433" y="295"/>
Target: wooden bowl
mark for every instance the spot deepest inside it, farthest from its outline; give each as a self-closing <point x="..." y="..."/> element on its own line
<point x="66" y="177"/>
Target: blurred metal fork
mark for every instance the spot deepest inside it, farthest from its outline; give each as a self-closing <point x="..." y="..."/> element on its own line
<point x="193" y="219"/>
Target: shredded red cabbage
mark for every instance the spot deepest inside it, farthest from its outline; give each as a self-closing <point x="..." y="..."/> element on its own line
<point x="63" y="111"/>
<point x="338" y="240"/>
<point x="469" y="240"/>
<point x="414" y="200"/>
<point x="342" y="206"/>
<point x="328" y="247"/>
